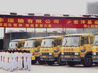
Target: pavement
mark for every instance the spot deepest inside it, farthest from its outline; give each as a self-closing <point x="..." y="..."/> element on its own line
<point x="56" y="69"/>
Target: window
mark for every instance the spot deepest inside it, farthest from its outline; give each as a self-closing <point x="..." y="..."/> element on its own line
<point x="57" y="42"/>
<point x="96" y="40"/>
<point x="84" y="40"/>
<point x="37" y="43"/>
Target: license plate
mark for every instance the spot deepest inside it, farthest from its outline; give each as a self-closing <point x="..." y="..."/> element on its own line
<point x="67" y="56"/>
<point x="44" y="56"/>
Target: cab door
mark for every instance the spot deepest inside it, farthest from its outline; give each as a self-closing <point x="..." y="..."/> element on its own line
<point x="85" y="45"/>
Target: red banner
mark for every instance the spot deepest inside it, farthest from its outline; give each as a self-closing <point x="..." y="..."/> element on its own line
<point x="20" y="22"/>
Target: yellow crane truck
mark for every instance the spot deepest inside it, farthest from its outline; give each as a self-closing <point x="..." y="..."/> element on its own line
<point x="33" y="45"/>
<point x="50" y="49"/>
<point x="77" y="48"/>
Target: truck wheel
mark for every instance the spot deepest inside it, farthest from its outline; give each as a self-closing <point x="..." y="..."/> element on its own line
<point x="96" y="63"/>
<point x="50" y="62"/>
<point x="61" y="62"/>
<point x="41" y="62"/>
<point x="33" y="61"/>
<point x="88" y="61"/>
<point x="71" y="63"/>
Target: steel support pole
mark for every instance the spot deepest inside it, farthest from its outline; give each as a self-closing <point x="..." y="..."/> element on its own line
<point x="4" y="38"/>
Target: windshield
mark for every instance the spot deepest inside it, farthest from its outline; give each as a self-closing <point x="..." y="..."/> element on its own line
<point x="29" y="44"/>
<point x="46" y="43"/>
<point x="12" y="45"/>
<point x="57" y="42"/>
<point x="64" y="42"/>
<point x="71" y="41"/>
<point x="96" y="40"/>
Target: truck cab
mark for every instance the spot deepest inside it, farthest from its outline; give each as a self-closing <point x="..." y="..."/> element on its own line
<point x="77" y="48"/>
<point x="50" y="49"/>
<point x="33" y="45"/>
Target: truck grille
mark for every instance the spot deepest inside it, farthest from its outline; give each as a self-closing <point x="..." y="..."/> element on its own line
<point x="69" y="53"/>
<point x="45" y="53"/>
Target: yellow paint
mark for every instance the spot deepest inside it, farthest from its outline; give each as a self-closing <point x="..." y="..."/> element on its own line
<point x="33" y="49"/>
<point x="86" y="47"/>
<point x="52" y="49"/>
<point x="33" y="57"/>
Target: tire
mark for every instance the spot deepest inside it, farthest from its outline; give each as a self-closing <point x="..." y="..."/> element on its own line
<point x="50" y="62"/>
<point x="71" y="63"/>
<point x="96" y="63"/>
<point x="41" y="62"/>
<point x="33" y="61"/>
<point x="61" y="63"/>
<point x="88" y="61"/>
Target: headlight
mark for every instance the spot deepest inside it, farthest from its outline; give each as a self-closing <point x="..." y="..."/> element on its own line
<point x="94" y="53"/>
<point x="76" y="53"/>
<point x="62" y="53"/>
<point x="50" y="53"/>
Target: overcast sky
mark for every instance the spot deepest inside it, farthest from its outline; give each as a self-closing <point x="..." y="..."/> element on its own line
<point x="44" y="6"/>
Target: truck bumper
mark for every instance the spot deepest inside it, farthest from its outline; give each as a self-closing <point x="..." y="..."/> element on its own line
<point x="47" y="58"/>
<point x="95" y="58"/>
<point x="70" y="58"/>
